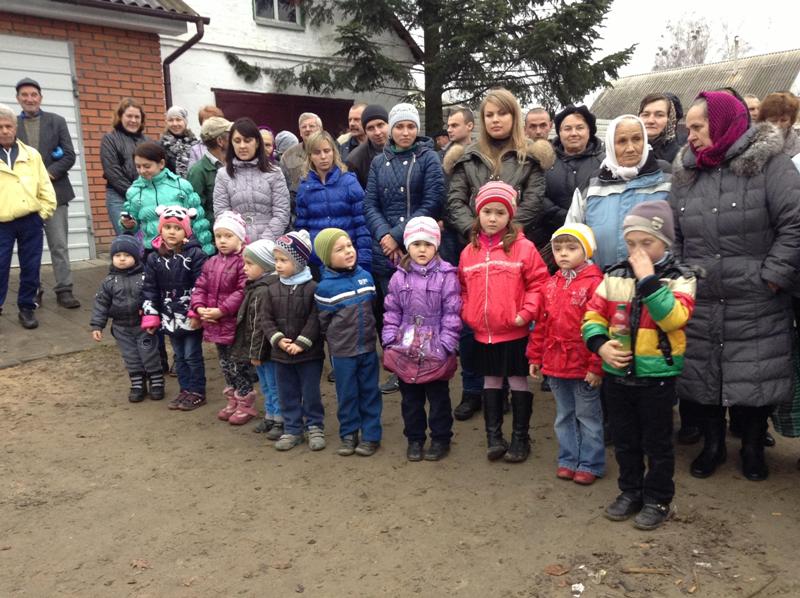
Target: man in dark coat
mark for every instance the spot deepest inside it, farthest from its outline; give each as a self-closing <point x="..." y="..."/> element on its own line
<point x="375" y="120"/>
<point x="48" y="133"/>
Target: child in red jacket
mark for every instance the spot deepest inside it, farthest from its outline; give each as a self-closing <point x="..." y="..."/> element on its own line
<point x="502" y="277"/>
<point x="556" y="349"/>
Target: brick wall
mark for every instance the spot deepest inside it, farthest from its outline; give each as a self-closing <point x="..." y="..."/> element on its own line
<point x="111" y="64"/>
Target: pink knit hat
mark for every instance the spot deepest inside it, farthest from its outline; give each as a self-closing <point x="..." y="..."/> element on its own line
<point x="176" y="215"/>
<point x="497" y="191"/>
<point x="422" y="228"/>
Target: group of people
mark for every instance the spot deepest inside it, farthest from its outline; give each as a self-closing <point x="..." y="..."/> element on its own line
<point x="628" y="274"/>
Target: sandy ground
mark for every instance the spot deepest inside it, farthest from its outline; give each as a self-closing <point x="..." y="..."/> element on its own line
<point x="103" y="498"/>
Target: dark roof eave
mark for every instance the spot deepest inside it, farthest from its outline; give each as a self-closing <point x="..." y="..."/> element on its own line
<point x="139" y="10"/>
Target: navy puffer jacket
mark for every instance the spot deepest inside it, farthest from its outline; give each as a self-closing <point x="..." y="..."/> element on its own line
<point x="336" y="203"/>
<point x="400" y="187"/>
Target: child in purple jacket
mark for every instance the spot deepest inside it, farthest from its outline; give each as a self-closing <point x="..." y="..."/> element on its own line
<point x="216" y="298"/>
<point x="421" y="329"/>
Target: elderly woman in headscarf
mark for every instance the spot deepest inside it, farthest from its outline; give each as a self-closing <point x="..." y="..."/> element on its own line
<point x="178" y="140"/>
<point x="629" y="175"/>
<point x="736" y="198"/>
<point x="660" y="117"/>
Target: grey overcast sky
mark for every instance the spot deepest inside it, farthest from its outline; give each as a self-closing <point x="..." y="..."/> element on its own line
<point x="768" y="26"/>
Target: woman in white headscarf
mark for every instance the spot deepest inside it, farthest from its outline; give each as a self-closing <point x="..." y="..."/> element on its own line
<point x="629" y="175"/>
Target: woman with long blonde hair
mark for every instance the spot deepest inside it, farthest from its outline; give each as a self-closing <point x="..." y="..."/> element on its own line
<point x="502" y="153"/>
<point x="330" y="197"/>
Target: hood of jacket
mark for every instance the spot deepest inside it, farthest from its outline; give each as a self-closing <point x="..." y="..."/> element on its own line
<point x="540" y="151"/>
<point x="746" y="158"/>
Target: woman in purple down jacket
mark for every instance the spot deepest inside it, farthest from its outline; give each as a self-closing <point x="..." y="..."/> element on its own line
<point x="218" y="293"/>
<point x="421" y="330"/>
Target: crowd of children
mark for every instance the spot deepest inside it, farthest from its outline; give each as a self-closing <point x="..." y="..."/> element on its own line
<point x="269" y="319"/>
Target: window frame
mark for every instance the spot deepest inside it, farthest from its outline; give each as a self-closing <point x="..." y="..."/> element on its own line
<point x="299" y="25"/>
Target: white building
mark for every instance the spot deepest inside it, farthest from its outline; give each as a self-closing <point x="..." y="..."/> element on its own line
<point x="267" y="33"/>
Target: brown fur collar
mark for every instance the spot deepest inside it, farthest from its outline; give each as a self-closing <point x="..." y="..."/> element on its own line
<point x="540" y="151"/>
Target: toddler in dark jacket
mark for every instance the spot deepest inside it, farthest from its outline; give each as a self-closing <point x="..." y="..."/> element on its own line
<point x="119" y="298"/>
<point x="291" y="326"/>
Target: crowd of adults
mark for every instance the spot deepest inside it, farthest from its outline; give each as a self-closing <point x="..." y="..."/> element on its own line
<point x="725" y="165"/>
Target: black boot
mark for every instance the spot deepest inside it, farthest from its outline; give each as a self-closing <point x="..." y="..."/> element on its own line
<point x="521" y="409"/>
<point x="689" y="432"/>
<point x="493" y="416"/>
<point x="714" y="450"/>
<point x="470" y="404"/>
<point x="754" y="466"/>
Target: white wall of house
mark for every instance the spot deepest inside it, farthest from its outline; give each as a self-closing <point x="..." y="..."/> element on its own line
<point x="233" y="28"/>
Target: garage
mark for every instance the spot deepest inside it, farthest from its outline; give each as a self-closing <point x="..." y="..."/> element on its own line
<point x="51" y="64"/>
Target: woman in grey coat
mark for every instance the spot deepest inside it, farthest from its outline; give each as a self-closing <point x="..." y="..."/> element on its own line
<point x="736" y="198"/>
<point x="251" y="185"/>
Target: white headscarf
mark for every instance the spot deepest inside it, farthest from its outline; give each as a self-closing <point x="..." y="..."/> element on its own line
<point x="625" y="173"/>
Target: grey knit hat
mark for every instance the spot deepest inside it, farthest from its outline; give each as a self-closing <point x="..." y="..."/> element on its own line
<point x="284" y="140"/>
<point x="651" y="217"/>
<point x="260" y="252"/>
<point x="179" y="112"/>
<point x="403" y="112"/>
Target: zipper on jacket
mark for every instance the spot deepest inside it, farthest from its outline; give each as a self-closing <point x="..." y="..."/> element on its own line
<point x="408" y="185"/>
<point x="486" y="301"/>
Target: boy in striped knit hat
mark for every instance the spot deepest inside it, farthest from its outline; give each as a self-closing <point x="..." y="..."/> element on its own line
<point x="645" y="301"/>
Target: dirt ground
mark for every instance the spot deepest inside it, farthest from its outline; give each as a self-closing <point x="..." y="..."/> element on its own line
<point x="104" y="498"/>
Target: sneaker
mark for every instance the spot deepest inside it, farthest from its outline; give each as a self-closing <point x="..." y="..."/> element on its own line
<point x="367" y="448"/>
<point x="27" y="319"/>
<point x="288" y="441"/>
<point x="348" y="446"/>
<point x="623" y="507"/>
<point x="584" y="478"/>
<point x="565" y="473"/>
<point x="276" y="431"/>
<point x="391" y="385"/>
<point x="437" y="451"/>
<point x="136" y="395"/>
<point x="264" y="426"/>
<point x="192" y="401"/>
<point x="652" y="516"/>
<point x="414" y="451"/>
<point x="175" y="403"/>
<point x="156" y="393"/>
<point x="316" y="438"/>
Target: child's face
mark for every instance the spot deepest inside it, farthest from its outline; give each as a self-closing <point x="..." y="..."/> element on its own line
<point x="252" y="270"/>
<point x="343" y="254"/>
<point x="226" y="241"/>
<point x="568" y="254"/>
<point x="172" y="233"/>
<point x="147" y="169"/>
<point x="493" y="217"/>
<point x="284" y="265"/>
<point x="654" y="247"/>
<point x="122" y="260"/>
<point x="421" y="252"/>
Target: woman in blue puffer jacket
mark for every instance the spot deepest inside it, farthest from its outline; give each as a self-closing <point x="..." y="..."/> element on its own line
<point x="405" y="181"/>
<point x="331" y="197"/>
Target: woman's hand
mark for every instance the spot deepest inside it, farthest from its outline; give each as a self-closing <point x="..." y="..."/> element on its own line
<point x="389" y="245"/>
<point x="613" y="355"/>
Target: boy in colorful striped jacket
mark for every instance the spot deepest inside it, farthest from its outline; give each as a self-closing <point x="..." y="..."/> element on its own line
<point x="644" y="303"/>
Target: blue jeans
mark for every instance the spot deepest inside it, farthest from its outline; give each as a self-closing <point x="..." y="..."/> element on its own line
<point x="189" y="364"/>
<point x="358" y="396"/>
<point x="299" y="394"/>
<point x="28" y="233"/>
<point x="114" y="203"/>
<point x="579" y="426"/>
<point x="269" y="388"/>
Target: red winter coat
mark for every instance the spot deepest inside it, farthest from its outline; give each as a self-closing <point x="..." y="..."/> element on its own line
<point x="221" y="285"/>
<point x="556" y="343"/>
<point x="497" y="286"/>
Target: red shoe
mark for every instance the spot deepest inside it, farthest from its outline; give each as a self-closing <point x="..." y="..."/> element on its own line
<point x="565" y="473"/>
<point x="584" y="478"/>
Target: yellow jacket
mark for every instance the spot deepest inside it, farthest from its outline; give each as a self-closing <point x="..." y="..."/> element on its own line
<point x="27" y="188"/>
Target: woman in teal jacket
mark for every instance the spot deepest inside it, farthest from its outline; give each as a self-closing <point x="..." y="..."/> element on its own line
<point x="157" y="185"/>
<point x="629" y="175"/>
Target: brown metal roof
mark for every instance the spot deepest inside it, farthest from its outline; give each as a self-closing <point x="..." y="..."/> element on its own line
<point x="758" y="75"/>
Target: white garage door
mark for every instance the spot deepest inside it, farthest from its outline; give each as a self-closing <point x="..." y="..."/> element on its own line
<point x="51" y="64"/>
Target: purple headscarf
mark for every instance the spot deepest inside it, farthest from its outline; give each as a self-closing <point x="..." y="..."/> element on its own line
<point x="728" y="120"/>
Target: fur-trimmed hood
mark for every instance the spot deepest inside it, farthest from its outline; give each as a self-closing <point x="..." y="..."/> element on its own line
<point x="540" y="151"/>
<point x="746" y="158"/>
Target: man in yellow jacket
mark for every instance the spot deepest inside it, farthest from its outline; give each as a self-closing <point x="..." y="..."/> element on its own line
<point x="27" y="199"/>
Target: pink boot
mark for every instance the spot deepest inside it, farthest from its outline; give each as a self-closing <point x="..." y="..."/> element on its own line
<point x="244" y="409"/>
<point x="230" y="408"/>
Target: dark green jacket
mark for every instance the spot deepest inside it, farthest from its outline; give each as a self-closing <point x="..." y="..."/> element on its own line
<point x="202" y="176"/>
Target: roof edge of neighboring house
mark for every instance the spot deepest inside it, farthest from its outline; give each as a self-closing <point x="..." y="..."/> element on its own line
<point x="163" y="9"/>
<point x="405" y="35"/>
